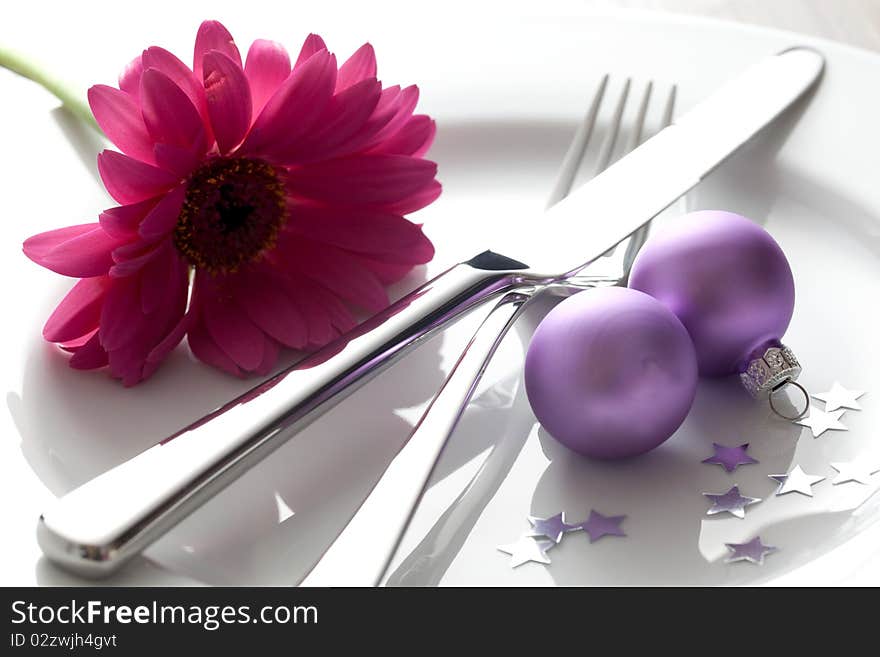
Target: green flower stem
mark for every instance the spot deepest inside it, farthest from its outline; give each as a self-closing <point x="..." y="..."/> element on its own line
<point x="75" y="104"/>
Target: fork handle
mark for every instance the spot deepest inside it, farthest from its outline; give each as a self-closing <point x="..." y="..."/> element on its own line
<point x="361" y="554"/>
<point x="96" y="528"/>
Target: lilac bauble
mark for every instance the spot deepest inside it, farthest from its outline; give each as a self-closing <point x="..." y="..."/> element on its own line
<point x="610" y="373"/>
<point x="727" y="281"/>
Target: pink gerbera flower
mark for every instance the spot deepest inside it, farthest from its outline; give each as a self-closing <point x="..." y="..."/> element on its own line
<point x="258" y="205"/>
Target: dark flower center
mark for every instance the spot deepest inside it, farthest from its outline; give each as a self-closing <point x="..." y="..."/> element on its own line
<point x="232" y="212"/>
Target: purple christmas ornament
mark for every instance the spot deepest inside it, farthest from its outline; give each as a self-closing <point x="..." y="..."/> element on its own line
<point x="610" y="373"/>
<point x="728" y="282"/>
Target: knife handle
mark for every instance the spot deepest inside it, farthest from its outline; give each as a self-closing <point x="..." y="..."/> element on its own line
<point x="96" y="528"/>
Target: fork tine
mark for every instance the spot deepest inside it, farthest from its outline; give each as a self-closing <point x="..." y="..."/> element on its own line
<point x="638" y="238"/>
<point x="608" y="145"/>
<point x="575" y="153"/>
<point x="670" y="107"/>
<point x="636" y="136"/>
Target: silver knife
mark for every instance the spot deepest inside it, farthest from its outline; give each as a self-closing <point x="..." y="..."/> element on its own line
<point x="97" y="527"/>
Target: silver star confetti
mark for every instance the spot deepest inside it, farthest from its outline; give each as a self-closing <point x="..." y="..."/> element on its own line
<point x="730" y="457"/>
<point x="731" y="502"/>
<point x="754" y="551"/>
<point x="553" y="527"/>
<point x="598" y="526"/>
<point x="819" y="421"/>
<point x="853" y="471"/>
<point x="796" y="481"/>
<point x="840" y="397"/>
<point x="527" y="549"/>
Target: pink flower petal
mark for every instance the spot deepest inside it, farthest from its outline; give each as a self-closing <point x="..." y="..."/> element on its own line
<point x="349" y="112"/>
<point x="179" y="73"/>
<point x="128" y="180"/>
<point x="90" y="356"/>
<point x="264" y="299"/>
<point x="340" y="317"/>
<point x="120" y="118"/>
<point x="179" y="160"/>
<point x="129" y="365"/>
<point x="126" y="364"/>
<point x="414" y="138"/>
<point x="394" y="107"/>
<point x="295" y="107"/>
<point x="169" y="342"/>
<point x="271" y="349"/>
<point x="229" y="100"/>
<point x="166" y="62"/>
<point x="360" y="66"/>
<point x="170" y="116"/>
<point x="79" y="312"/>
<point x="402" y="107"/>
<point x="80" y="251"/>
<point x="166" y="271"/>
<point x="213" y="36"/>
<point x="206" y="350"/>
<point x="129" y="334"/>
<point x="131" y="260"/>
<point x="147" y="370"/>
<point x="314" y="312"/>
<point x="42" y="244"/>
<point x="72" y="345"/>
<point x="345" y="116"/>
<point x="417" y="201"/>
<point x="387" y="272"/>
<point x="366" y="231"/>
<point x="233" y="332"/>
<point x="122" y="221"/>
<point x="121" y="316"/>
<point x="363" y="179"/>
<point x="130" y="78"/>
<point x="200" y="341"/>
<point x="312" y="44"/>
<point x="337" y="271"/>
<point x="162" y="219"/>
<point x="266" y="67"/>
<point x="132" y="250"/>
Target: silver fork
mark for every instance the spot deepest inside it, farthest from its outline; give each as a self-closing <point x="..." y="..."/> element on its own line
<point x="362" y="553"/>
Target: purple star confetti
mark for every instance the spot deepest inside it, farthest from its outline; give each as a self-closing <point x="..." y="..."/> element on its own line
<point x="553" y="527"/>
<point x="598" y="526"/>
<point x="754" y="551"/>
<point x="731" y="502"/>
<point x="730" y="457"/>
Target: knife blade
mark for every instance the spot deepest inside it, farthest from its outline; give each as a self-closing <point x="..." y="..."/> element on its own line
<point x="96" y="528"/>
<point x="639" y="186"/>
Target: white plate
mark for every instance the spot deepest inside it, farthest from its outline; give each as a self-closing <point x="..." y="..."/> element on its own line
<point x="507" y="93"/>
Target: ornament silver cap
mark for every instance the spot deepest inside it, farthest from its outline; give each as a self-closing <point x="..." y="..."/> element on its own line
<point x="769" y="371"/>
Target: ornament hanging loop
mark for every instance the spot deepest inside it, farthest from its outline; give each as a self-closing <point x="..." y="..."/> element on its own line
<point x="769" y="370"/>
<point x="782" y="386"/>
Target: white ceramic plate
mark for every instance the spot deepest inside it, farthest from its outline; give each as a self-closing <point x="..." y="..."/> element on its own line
<point x="507" y="92"/>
